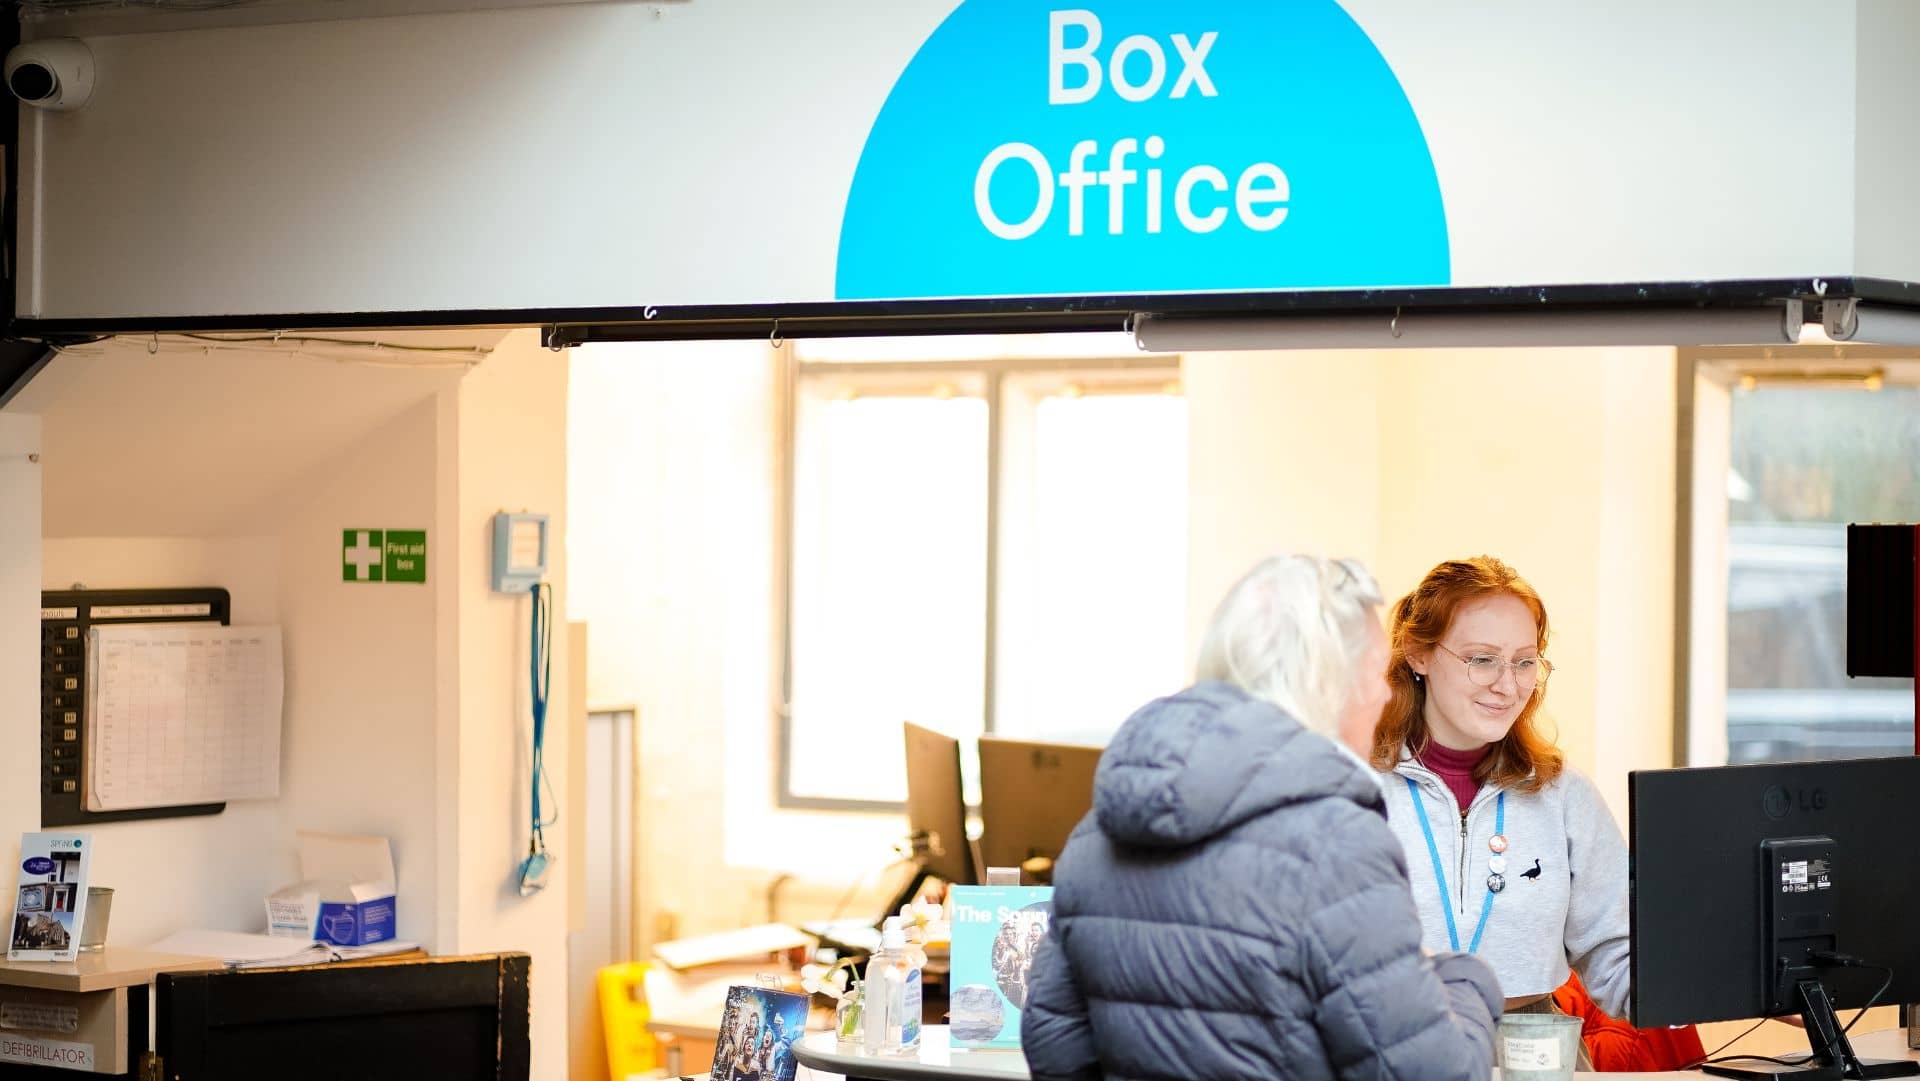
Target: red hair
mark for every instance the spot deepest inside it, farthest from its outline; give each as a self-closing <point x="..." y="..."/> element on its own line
<point x="1525" y="759"/>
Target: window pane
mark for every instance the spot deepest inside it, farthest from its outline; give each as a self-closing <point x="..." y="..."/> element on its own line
<point x="1805" y="462"/>
<point x="1092" y="612"/>
<point x="889" y="584"/>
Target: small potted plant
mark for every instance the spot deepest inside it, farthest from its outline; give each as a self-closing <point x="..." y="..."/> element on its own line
<point x="840" y="982"/>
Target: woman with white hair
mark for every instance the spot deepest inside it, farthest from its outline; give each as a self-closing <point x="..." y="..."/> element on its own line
<point x="1235" y="905"/>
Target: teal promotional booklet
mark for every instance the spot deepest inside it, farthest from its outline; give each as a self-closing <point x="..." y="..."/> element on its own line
<point x="51" y="899"/>
<point x="996" y="932"/>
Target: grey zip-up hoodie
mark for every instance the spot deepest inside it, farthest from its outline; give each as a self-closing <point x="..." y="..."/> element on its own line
<point x="1572" y="911"/>
<point x="1236" y="907"/>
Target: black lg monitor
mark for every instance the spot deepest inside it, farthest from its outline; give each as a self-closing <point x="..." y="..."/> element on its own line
<point x="936" y="813"/>
<point x="1775" y="890"/>
<point x="1031" y="797"/>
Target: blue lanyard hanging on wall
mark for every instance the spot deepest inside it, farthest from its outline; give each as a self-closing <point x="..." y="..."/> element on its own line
<point x="533" y="870"/>
<point x="1495" y="881"/>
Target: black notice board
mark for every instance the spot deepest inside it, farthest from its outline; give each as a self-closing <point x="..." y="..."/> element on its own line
<point x="65" y="616"/>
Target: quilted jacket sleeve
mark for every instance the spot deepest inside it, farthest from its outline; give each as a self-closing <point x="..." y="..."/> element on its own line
<point x="1386" y="1010"/>
<point x="1054" y="1031"/>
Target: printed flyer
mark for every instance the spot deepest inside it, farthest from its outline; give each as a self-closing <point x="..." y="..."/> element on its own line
<point x="997" y="930"/>
<point x="51" y="899"/>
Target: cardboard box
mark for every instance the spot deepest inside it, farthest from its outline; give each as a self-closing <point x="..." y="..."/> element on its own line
<point x="345" y="894"/>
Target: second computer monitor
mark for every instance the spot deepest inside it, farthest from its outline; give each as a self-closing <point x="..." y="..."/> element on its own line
<point x="1031" y="797"/>
<point x="937" y="807"/>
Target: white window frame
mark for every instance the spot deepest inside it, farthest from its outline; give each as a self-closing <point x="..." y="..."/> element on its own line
<point x="1102" y="365"/>
<point x="1708" y="378"/>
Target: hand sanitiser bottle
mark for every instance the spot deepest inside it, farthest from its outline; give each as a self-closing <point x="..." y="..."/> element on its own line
<point x="893" y="995"/>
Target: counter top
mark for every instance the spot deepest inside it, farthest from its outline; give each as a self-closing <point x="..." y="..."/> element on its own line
<point x="937" y="1058"/>
<point x="100" y="971"/>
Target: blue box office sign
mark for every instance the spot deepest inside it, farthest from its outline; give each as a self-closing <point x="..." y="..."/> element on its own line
<point x="1137" y="146"/>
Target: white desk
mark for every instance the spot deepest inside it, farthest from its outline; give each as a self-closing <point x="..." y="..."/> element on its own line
<point x="1887" y="1044"/>
<point x="939" y="1061"/>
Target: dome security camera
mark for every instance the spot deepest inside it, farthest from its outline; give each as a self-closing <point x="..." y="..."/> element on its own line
<point x="56" y="73"/>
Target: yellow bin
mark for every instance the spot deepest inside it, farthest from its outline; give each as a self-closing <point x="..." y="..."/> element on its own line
<point x="631" y="1050"/>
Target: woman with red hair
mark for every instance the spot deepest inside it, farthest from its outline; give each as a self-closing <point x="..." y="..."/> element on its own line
<point x="1513" y="856"/>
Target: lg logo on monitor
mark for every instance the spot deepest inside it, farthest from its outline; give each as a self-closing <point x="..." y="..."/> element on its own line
<point x="1778" y="802"/>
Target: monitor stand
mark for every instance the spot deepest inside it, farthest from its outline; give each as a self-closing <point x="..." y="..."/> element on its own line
<point x="1833" y="1057"/>
<point x="907" y="894"/>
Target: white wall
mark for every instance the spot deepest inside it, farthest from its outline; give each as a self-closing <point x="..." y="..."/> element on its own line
<point x="1637" y="615"/>
<point x="1577" y="136"/>
<point x="1284" y="454"/>
<point x="20" y="481"/>
<point x="1886" y="156"/>
<point x="1575" y="144"/>
<point x="436" y="128"/>
<point x="511" y="455"/>
<point x="360" y="735"/>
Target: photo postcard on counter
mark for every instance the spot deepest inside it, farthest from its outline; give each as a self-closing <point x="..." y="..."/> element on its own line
<point x="51" y="899"/>
<point x="757" y="1034"/>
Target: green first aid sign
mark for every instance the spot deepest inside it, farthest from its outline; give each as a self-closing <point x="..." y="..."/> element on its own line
<point x="383" y="555"/>
<point x="363" y="555"/>
<point x="406" y="555"/>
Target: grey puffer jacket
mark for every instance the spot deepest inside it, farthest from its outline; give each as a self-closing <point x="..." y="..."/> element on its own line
<point x="1236" y="907"/>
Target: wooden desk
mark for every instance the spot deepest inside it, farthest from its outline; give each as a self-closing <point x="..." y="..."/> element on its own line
<point x="939" y="1061"/>
<point x="686" y="1043"/>
<point x="90" y="1013"/>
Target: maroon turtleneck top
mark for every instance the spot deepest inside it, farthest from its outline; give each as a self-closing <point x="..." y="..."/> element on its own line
<point x="1455" y="769"/>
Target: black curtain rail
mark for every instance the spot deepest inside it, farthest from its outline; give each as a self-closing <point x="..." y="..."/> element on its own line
<point x="566" y="326"/>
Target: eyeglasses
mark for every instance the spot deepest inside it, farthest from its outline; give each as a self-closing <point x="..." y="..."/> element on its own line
<point x="1484" y="668"/>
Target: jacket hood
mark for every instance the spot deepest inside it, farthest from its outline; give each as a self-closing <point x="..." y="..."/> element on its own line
<point x="1199" y="763"/>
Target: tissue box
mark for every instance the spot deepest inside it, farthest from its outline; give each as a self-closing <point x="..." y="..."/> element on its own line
<point x="345" y="894"/>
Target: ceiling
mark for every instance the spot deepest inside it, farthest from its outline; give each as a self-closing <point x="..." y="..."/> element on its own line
<point x="190" y="443"/>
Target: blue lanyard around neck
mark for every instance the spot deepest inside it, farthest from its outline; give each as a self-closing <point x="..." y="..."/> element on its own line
<point x="1440" y="871"/>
